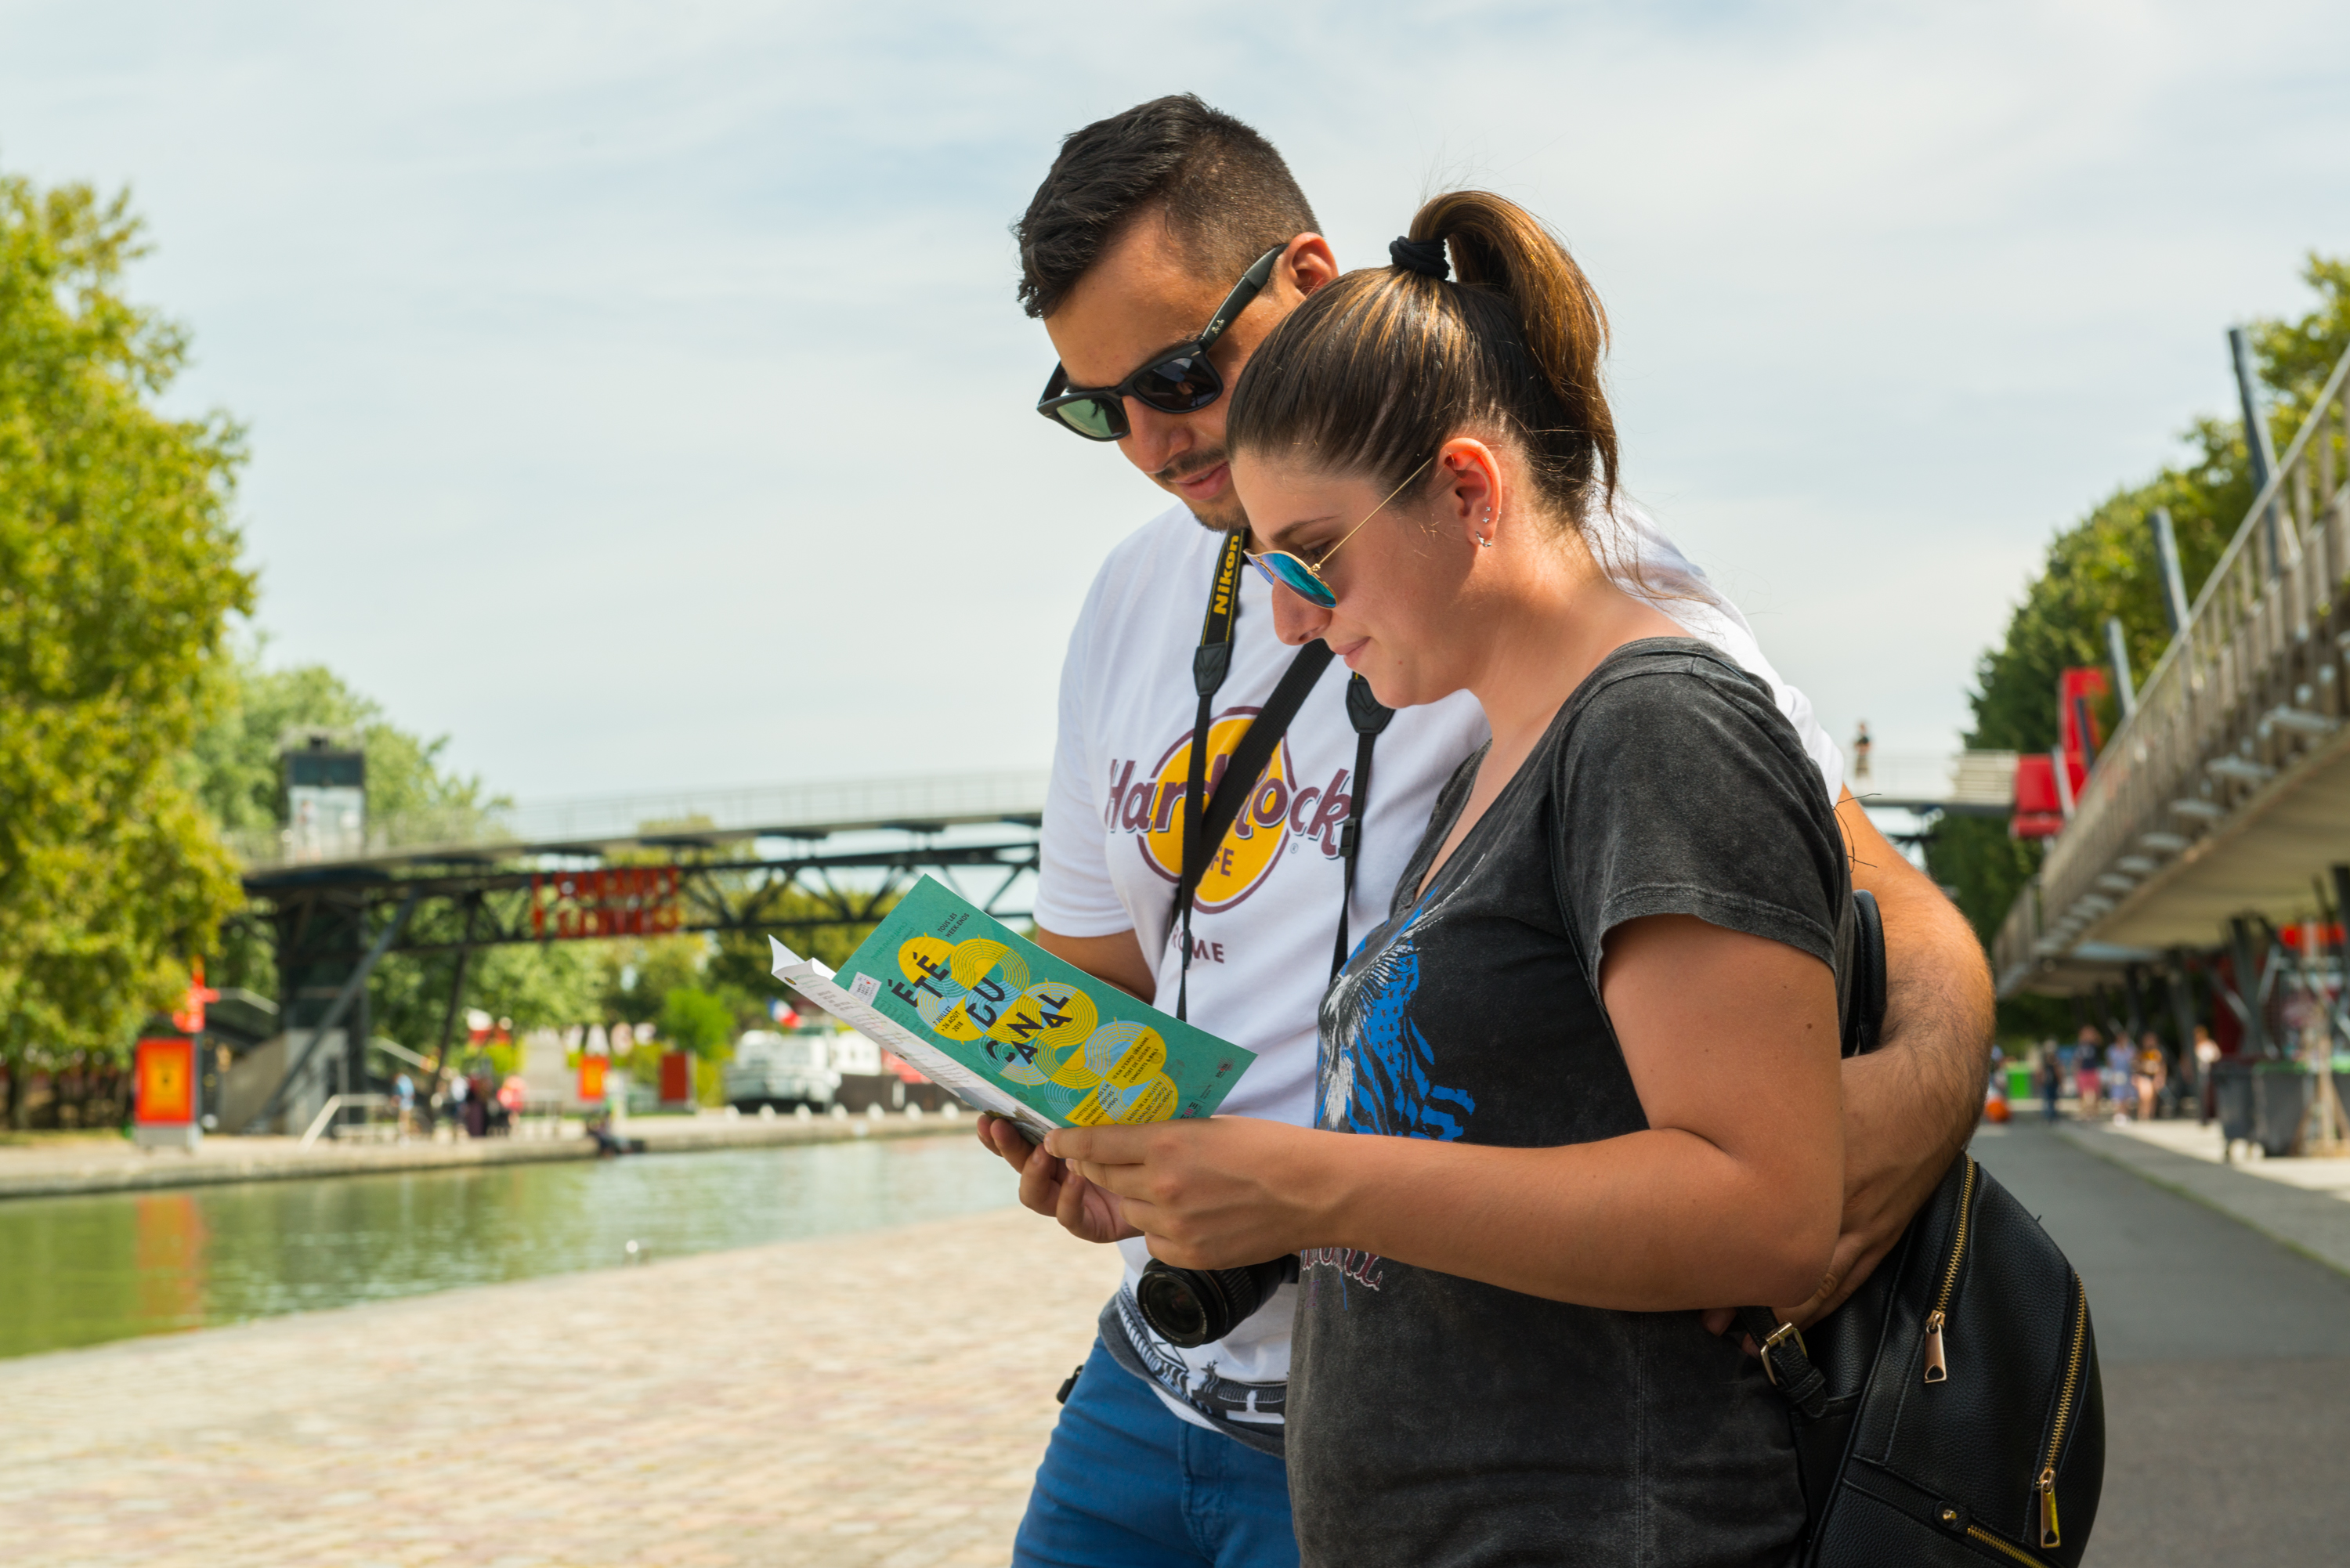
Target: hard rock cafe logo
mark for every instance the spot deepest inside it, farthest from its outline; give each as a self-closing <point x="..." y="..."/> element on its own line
<point x="1150" y="808"/>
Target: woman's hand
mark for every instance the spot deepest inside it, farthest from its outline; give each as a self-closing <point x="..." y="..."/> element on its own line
<point x="1218" y="1193"/>
<point x="1048" y="1187"/>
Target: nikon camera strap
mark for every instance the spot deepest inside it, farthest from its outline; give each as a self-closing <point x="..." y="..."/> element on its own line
<point x="1206" y="823"/>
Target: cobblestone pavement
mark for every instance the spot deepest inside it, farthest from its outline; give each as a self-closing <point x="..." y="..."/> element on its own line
<point x="874" y="1399"/>
<point x="116" y="1165"/>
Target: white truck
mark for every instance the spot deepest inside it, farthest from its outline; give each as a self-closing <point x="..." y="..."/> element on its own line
<point x="783" y="1070"/>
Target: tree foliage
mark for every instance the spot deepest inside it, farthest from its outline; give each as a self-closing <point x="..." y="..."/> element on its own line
<point x="233" y="768"/>
<point x="118" y="574"/>
<point x="693" y="1021"/>
<point x="2105" y="566"/>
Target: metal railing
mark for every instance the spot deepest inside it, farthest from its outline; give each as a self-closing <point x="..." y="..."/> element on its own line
<point x="802" y="810"/>
<point x="2252" y="686"/>
<point x="1970" y="783"/>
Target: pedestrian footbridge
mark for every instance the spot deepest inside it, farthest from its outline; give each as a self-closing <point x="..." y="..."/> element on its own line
<point x="606" y="826"/>
<point x="2223" y="799"/>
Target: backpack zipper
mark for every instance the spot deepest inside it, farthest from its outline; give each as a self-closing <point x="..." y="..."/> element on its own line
<point x="1977" y="1532"/>
<point x="2064" y="1397"/>
<point x="1937" y="1369"/>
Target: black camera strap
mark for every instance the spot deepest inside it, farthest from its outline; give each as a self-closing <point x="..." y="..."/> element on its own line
<point x="1205" y="822"/>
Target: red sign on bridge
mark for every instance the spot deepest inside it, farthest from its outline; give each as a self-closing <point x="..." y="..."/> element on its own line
<point x="618" y="901"/>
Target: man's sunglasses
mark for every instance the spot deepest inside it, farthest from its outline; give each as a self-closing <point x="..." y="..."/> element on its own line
<point x="1179" y="381"/>
<point x="1303" y="577"/>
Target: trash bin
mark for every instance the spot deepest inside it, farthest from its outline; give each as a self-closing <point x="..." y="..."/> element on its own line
<point x="2019" y="1084"/>
<point x="2280" y="1100"/>
<point x="2232" y="1098"/>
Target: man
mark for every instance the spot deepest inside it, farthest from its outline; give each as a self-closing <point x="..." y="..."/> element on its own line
<point x="1155" y="229"/>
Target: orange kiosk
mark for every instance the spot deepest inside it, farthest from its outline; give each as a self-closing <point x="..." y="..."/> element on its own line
<point x="163" y="1079"/>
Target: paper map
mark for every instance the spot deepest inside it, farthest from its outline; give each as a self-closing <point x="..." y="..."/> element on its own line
<point x="1007" y="1028"/>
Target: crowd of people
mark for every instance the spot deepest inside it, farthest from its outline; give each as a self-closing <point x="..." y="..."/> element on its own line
<point x="2138" y="1082"/>
<point x="475" y="1099"/>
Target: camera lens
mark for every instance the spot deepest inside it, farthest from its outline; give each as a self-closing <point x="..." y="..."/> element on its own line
<point x="1192" y="1307"/>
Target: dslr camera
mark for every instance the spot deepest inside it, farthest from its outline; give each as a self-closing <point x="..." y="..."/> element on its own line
<point x="1192" y="1307"/>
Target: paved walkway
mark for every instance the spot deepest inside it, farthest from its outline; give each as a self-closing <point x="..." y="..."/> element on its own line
<point x="877" y="1399"/>
<point x="109" y="1164"/>
<point x="2226" y="1353"/>
<point x="882" y="1399"/>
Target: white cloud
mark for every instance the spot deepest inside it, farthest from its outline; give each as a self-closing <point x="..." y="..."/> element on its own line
<point x="637" y="392"/>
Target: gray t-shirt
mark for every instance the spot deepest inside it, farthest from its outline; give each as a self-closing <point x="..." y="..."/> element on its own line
<point x="1438" y="1420"/>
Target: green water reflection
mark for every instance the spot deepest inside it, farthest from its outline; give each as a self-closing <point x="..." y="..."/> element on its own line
<point x="80" y="1271"/>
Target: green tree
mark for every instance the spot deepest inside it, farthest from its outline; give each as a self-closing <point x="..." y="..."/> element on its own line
<point x="695" y="1022"/>
<point x="2105" y="566"/>
<point x="234" y="766"/>
<point x="117" y="574"/>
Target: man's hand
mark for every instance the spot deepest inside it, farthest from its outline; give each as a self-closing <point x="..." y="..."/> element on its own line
<point x="1910" y="1106"/>
<point x="1048" y="1187"/>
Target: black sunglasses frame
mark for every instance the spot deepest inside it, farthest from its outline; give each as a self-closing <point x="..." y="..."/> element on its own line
<point x="1059" y="394"/>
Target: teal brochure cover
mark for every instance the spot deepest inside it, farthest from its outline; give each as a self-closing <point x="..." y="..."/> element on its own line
<point x="1075" y="1050"/>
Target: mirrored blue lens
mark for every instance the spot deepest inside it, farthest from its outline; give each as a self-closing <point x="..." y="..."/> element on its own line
<point x="1283" y="570"/>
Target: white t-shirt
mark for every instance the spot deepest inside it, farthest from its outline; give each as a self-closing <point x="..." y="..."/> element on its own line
<point x="1266" y="914"/>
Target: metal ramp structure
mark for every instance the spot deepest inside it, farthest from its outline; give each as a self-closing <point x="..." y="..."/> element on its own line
<point x="2223" y="798"/>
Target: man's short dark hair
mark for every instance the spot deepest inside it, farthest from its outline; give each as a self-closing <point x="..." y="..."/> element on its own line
<point x="1227" y="196"/>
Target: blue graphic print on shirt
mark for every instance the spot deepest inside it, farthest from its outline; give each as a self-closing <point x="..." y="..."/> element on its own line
<point x="1377" y="1066"/>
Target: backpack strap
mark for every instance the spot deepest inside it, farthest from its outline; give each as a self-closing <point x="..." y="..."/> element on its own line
<point x="1785" y="1361"/>
<point x="1369" y="717"/>
<point x="1784" y="1358"/>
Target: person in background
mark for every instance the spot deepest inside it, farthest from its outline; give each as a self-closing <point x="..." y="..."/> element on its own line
<point x="2052" y="1077"/>
<point x="2121" y="1077"/>
<point x="2088" y="1064"/>
<point x="2150" y="1077"/>
<point x="2207" y="1057"/>
<point x="1860" y="748"/>
<point x="403" y="1090"/>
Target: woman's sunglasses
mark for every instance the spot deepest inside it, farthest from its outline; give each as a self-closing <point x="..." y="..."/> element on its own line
<point x="1303" y="577"/>
<point x="1179" y="381"/>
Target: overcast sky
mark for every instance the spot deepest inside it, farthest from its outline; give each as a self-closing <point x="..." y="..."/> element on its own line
<point x="637" y="394"/>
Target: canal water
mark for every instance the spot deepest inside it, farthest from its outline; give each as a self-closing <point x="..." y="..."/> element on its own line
<point x="84" y="1270"/>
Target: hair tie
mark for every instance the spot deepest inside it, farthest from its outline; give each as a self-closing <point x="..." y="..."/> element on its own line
<point x="1425" y="257"/>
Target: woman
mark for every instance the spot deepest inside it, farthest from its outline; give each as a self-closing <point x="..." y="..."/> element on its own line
<point x="2152" y="1076"/>
<point x="1599" y="1028"/>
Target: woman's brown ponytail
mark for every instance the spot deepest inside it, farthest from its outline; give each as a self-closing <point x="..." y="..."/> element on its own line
<point x="1381" y="368"/>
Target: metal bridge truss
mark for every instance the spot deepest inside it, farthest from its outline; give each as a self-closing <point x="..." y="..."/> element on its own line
<point x="332" y="925"/>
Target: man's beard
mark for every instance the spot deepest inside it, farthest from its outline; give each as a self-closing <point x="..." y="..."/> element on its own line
<point x="1223" y="516"/>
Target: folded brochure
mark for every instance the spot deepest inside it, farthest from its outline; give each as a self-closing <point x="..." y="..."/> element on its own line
<point x="1007" y="1028"/>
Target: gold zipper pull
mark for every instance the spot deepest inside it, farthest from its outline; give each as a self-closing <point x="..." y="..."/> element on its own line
<point x="2048" y="1508"/>
<point x="1937" y="1369"/>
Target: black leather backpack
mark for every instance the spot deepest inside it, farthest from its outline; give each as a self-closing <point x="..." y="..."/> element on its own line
<point x="1949" y="1413"/>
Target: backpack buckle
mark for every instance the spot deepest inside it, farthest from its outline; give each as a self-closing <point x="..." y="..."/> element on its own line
<point x="1786" y="1331"/>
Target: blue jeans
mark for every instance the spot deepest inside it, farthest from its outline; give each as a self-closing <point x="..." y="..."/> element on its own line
<point x="1128" y="1484"/>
